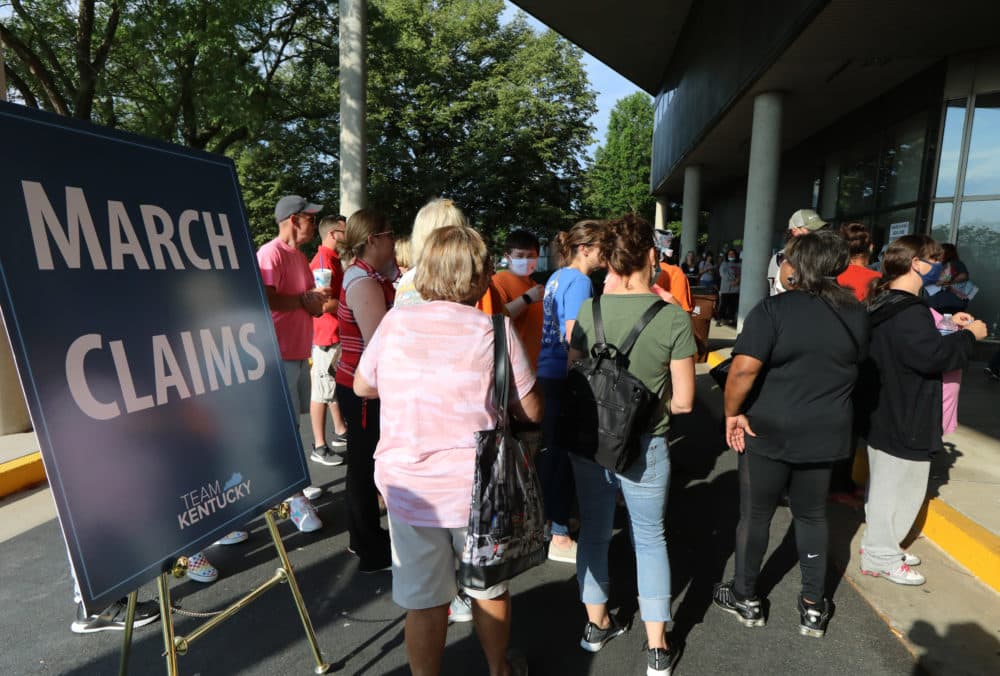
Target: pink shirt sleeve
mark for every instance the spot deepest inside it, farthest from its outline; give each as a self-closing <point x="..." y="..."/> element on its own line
<point x="520" y="365"/>
<point x="270" y="268"/>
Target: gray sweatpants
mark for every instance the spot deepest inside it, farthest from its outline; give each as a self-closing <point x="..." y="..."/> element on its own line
<point x="896" y="492"/>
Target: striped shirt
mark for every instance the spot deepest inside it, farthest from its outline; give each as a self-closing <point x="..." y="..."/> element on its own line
<point x="352" y="343"/>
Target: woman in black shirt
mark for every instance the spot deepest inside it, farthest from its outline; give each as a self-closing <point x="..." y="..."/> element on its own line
<point x="788" y="414"/>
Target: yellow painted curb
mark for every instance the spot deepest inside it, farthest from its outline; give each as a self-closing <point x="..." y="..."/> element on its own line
<point x="714" y="359"/>
<point x="21" y="473"/>
<point x="975" y="547"/>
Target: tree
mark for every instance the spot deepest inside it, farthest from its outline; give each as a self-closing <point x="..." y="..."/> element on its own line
<point x="618" y="179"/>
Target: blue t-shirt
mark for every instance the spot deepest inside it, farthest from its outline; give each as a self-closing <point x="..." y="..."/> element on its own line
<point x="565" y="292"/>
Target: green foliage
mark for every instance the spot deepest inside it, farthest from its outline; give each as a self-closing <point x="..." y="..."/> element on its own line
<point x="495" y="117"/>
<point x="618" y="179"/>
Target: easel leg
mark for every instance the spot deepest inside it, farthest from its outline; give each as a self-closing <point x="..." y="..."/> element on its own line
<point x="127" y="636"/>
<point x="321" y="666"/>
<point x="167" y="619"/>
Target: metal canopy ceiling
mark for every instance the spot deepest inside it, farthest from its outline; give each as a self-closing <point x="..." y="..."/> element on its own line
<point x="635" y="39"/>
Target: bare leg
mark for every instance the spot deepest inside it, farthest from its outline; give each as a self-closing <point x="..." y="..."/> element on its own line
<point x="339" y="426"/>
<point x="597" y="613"/>
<point x="492" y="620"/>
<point x="317" y="415"/>
<point x="426" y="631"/>
<point x="562" y="540"/>
<point x="656" y="634"/>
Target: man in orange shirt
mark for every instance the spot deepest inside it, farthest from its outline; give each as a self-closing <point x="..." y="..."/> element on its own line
<point x="671" y="277"/>
<point x="519" y="293"/>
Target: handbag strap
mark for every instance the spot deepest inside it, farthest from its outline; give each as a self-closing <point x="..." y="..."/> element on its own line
<point x="836" y="314"/>
<point x="501" y="370"/>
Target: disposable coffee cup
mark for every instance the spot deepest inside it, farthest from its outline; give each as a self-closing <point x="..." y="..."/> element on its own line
<point x="322" y="277"/>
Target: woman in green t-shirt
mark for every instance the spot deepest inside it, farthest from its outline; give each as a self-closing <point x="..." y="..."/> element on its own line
<point x="663" y="359"/>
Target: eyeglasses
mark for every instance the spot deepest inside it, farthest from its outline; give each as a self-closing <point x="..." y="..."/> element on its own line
<point x="336" y="231"/>
<point x="387" y="233"/>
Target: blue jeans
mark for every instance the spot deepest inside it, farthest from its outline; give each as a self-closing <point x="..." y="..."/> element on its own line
<point x="644" y="485"/>
<point x="554" y="471"/>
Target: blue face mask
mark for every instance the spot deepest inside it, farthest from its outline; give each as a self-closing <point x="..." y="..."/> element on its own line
<point x="932" y="275"/>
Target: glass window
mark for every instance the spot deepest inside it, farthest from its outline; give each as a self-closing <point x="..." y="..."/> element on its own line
<point x="899" y="220"/>
<point x="979" y="248"/>
<point x="941" y="221"/>
<point x="951" y="147"/>
<point x="982" y="177"/>
<point x="902" y="160"/>
<point x="858" y="171"/>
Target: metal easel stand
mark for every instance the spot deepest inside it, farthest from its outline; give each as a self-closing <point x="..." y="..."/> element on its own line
<point x="178" y="645"/>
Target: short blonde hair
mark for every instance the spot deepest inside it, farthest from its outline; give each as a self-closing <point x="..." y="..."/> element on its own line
<point x="362" y="224"/>
<point x="403" y="251"/>
<point x="456" y="266"/>
<point x="437" y="213"/>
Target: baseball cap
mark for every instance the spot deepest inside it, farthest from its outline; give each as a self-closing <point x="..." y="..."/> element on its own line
<point x="293" y="204"/>
<point x="806" y="218"/>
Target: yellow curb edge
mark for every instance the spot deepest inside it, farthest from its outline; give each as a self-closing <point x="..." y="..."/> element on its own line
<point x="975" y="547"/>
<point x="21" y="473"/>
<point x="714" y="359"/>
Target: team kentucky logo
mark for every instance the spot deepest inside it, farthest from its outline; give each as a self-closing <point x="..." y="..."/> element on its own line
<point x="211" y="498"/>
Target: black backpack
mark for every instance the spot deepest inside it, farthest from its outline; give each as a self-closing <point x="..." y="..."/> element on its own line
<point x="606" y="407"/>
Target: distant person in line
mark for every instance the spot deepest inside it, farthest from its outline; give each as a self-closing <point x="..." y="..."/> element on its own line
<point x="567" y="288"/>
<point x="404" y="258"/>
<point x="729" y="289"/>
<point x="425" y="456"/>
<point x="801" y="222"/>
<point x="520" y="294"/>
<point x="662" y="358"/>
<point x="950" y="294"/>
<point x="671" y="277"/>
<point x="437" y="213"/>
<point x="326" y="347"/>
<point x="690" y="265"/>
<point x="788" y="414"/>
<point x="365" y="298"/>
<point x="706" y="271"/>
<point x="908" y="356"/>
<point x="294" y="301"/>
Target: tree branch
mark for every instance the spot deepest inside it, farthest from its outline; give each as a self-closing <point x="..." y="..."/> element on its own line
<point x="36" y="68"/>
<point x="44" y="45"/>
<point x="22" y="86"/>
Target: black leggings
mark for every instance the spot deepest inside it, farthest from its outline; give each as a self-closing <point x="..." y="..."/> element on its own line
<point x="368" y="538"/>
<point x="762" y="481"/>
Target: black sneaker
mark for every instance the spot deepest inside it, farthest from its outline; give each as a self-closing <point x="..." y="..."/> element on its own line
<point x="324" y="456"/>
<point x="749" y="612"/>
<point x="594" y="638"/>
<point x="112" y="618"/>
<point x="813" y="618"/>
<point x="660" y="661"/>
<point x="338" y="440"/>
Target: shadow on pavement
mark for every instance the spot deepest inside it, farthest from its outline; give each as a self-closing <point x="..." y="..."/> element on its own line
<point x="940" y="650"/>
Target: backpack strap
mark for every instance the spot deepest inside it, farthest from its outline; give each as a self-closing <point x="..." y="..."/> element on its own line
<point x="501" y="370"/>
<point x="645" y="319"/>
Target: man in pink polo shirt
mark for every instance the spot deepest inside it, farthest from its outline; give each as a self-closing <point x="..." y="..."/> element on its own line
<point x="294" y="301"/>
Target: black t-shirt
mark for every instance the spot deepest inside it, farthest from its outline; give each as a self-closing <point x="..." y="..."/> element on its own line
<point x="800" y="405"/>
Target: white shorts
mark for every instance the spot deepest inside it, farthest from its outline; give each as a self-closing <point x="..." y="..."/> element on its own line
<point x="424" y="559"/>
<point x="324" y="389"/>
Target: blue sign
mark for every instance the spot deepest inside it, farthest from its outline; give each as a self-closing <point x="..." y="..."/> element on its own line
<point x="142" y="336"/>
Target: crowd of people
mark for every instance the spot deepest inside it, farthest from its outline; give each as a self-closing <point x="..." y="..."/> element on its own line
<point x="394" y="340"/>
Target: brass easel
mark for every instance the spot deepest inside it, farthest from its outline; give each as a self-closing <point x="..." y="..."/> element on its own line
<point x="178" y="645"/>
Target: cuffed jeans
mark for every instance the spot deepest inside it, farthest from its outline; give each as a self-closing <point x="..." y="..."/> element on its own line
<point x="644" y="485"/>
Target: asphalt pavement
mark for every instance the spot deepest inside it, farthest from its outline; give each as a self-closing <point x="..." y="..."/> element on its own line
<point x="360" y="630"/>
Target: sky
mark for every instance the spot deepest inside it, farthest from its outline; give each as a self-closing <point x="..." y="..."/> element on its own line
<point x="609" y="85"/>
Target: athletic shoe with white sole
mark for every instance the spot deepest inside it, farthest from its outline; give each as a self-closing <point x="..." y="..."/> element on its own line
<point x="234" y="538"/>
<point x="660" y="661"/>
<point x="304" y="515"/>
<point x="312" y="492"/>
<point x="338" y="440"/>
<point x="750" y="613"/>
<point x="460" y="609"/>
<point x="200" y="570"/>
<point x="562" y="554"/>
<point x="901" y="575"/>
<point x="813" y="618"/>
<point x="112" y="618"/>
<point x="325" y="456"/>
<point x="595" y="638"/>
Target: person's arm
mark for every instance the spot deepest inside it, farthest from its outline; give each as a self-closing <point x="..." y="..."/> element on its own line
<point x="517" y="306"/>
<point x="529" y="408"/>
<point x="363" y="388"/>
<point x="742" y="374"/>
<point x="366" y="300"/>
<point x="921" y="348"/>
<point x="682" y="385"/>
<point x="312" y="301"/>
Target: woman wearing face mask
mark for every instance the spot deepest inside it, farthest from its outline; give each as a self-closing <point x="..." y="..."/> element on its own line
<point x="908" y="355"/>
<point x="706" y="270"/>
<point x="519" y="293"/>
<point x="566" y="290"/>
<point x="729" y="289"/>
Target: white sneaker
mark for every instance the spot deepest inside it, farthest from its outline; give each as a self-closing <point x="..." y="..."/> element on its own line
<point x="562" y="554"/>
<point x="200" y="570"/>
<point x="234" y="538"/>
<point x="908" y="558"/>
<point x="901" y="575"/>
<point x="304" y="515"/>
<point x="312" y="492"/>
<point x="460" y="609"/>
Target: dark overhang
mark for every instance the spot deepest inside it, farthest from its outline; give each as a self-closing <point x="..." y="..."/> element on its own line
<point x="635" y="39"/>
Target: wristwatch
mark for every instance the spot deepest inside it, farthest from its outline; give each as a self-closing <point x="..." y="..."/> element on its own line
<point x="526" y="298"/>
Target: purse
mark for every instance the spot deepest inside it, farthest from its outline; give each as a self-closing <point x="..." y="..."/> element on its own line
<point x="505" y="535"/>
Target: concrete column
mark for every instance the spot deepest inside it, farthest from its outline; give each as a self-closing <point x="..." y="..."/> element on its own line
<point x="662" y="208"/>
<point x="353" y="106"/>
<point x="692" y="210"/>
<point x="762" y="194"/>
<point x="829" y="189"/>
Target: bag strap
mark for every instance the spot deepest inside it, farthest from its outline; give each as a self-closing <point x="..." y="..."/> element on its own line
<point x="646" y="318"/>
<point x="836" y="314"/>
<point x="598" y="323"/>
<point x="501" y="370"/>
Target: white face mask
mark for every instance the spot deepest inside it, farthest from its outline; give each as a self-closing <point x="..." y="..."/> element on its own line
<point x="522" y="267"/>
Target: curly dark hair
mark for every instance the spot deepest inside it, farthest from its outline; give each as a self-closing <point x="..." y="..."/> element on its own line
<point x="626" y="242"/>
